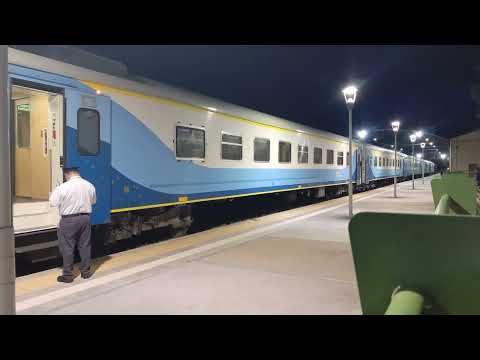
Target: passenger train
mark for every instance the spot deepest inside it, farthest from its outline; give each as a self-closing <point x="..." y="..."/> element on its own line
<point x="152" y="150"/>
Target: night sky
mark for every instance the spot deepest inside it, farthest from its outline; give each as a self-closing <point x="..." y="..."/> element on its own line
<point x="427" y="87"/>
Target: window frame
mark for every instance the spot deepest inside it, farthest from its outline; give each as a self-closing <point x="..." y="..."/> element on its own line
<point x="302" y="147"/>
<point x="285" y="142"/>
<point x="78" y="132"/>
<point x="17" y="132"/>
<point x="229" y="143"/>
<point x="321" y="155"/>
<point x="204" y="142"/>
<point x="269" y="150"/>
<point x="340" y="157"/>
<point x="333" y="156"/>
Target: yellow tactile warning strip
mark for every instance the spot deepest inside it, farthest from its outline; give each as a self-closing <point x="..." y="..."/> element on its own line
<point x="44" y="280"/>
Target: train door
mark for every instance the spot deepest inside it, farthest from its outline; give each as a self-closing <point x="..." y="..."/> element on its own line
<point x="87" y="144"/>
<point x="37" y="147"/>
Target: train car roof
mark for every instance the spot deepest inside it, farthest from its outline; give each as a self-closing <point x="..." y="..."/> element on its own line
<point x="81" y="65"/>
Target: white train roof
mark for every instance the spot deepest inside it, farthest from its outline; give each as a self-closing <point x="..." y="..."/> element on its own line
<point x="82" y="65"/>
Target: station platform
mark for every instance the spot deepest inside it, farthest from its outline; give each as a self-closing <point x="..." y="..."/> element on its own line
<point x="293" y="262"/>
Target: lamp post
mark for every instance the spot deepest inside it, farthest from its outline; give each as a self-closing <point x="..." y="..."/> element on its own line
<point x="395" y="128"/>
<point x="422" y="145"/>
<point x="413" y="138"/>
<point x="7" y="247"/>
<point x="350" y="94"/>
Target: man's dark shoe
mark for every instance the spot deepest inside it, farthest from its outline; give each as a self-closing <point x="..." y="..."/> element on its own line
<point x="65" y="279"/>
<point x="87" y="275"/>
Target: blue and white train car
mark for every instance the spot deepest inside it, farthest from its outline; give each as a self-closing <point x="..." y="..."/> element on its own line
<point x="152" y="150"/>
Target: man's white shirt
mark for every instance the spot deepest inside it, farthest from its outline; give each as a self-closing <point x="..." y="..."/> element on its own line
<point x="74" y="197"/>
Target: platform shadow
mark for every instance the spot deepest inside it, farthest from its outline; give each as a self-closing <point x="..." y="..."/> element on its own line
<point x="96" y="265"/>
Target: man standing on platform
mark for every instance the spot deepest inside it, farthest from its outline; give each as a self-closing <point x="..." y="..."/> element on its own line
<point x="74" y="199"/>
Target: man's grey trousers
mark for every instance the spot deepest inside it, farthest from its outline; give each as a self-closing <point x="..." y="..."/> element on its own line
<point x="75" y="231"/>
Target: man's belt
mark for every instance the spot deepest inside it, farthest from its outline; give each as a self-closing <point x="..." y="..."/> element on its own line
<point x="73" y="215"/>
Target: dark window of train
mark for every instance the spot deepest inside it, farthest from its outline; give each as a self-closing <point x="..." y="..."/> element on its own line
<point x="261" y="150"/>
<point x="340" y="158"/>
<point x="23" y="126"/>
<point x="302" y="154"/>
<point x="232" y="147"/>
<point x="190" y="143"/>
<point x="384" y="164"/>
<point x="284" y="152"/>
<point x="348" y="158"/>
<point x="330" y="157"/>
<point x="376" y="161"/>
<point x="317" y="155"/>
<point x="88" y="127"/>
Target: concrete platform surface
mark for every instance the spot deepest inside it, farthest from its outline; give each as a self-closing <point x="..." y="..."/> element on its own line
<point x="294" y="262"/>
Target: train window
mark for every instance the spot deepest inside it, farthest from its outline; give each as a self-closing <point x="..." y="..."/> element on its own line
<point x="340" y="158"/>
<point x="317" y="155"/>
<point x="88" y="127"/>
<point x="232" y="147"/>
<point x="330" y="157"/>
<point x="348" y="158"/>
<point x="23" y="126"/>
<point x="376" y="161"/>
<point x="261" y="149"/>
<point x="384" y="162"/>
<point x="190" y="143"/>
<point x="284" y="152"/>
<point x="302" y="154"/>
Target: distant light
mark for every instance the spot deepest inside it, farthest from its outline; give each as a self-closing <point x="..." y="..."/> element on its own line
<point x="98" y="92"/>
<point x="434" y="146"/>
<point x="374" y="139"/>
<point x="443" y="156"/>
<point x="422" y="145"/>
<point x="401" y="149"/>
<point x="419" y="156"/>
<point x="362" y="134"/>
<point x="431" y="143"/>
<point x="413" y="138"/>
<point x="212" y="109"/>
<point x="395" y="126"/>
<point x="426" y="139"/>
<point x="419" y="134"/>
<point x="350" y="94"/>
<point x="391" y="146"/>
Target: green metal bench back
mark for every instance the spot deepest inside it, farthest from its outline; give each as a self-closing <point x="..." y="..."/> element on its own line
<point x="436" y="255"/>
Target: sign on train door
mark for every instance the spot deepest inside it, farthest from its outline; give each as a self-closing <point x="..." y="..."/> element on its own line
<point x="87" y="145"/>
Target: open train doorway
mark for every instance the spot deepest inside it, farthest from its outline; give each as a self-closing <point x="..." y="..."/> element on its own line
<point x="37" y="148"/>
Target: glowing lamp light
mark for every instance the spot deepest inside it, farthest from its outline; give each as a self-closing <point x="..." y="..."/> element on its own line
<point x="427" y="139"/>
<point x="350" y="94"/>
<point x="413" y="138"/>
<point x="431" y="143"/>
<point x="391" y="146"/>
<point x="422" y="145"/>
<point x="98" y="92"/>
<point x="443" y="156"/>
<point x="395" y="126"/>
<point x="419" y="156"/>
<point x="211" y="109"/>
<point x="419" y="134"/>
<point x="375" y="139"/>
<point x="362" y="134"/>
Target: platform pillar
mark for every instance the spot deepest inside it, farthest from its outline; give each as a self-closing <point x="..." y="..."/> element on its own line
<point x="7" y="244"/>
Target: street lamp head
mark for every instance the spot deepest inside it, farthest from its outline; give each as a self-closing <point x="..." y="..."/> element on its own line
<point x="413" y="138"/>
<point x="350" y="94"/>
<point x="422" y="145"/>
<point x="362" y="134"/>
<point x="419" y="134"/>
<point x="395" y="126"/>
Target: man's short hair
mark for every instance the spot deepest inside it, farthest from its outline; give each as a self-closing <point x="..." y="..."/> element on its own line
<point x="70" y="170"/>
